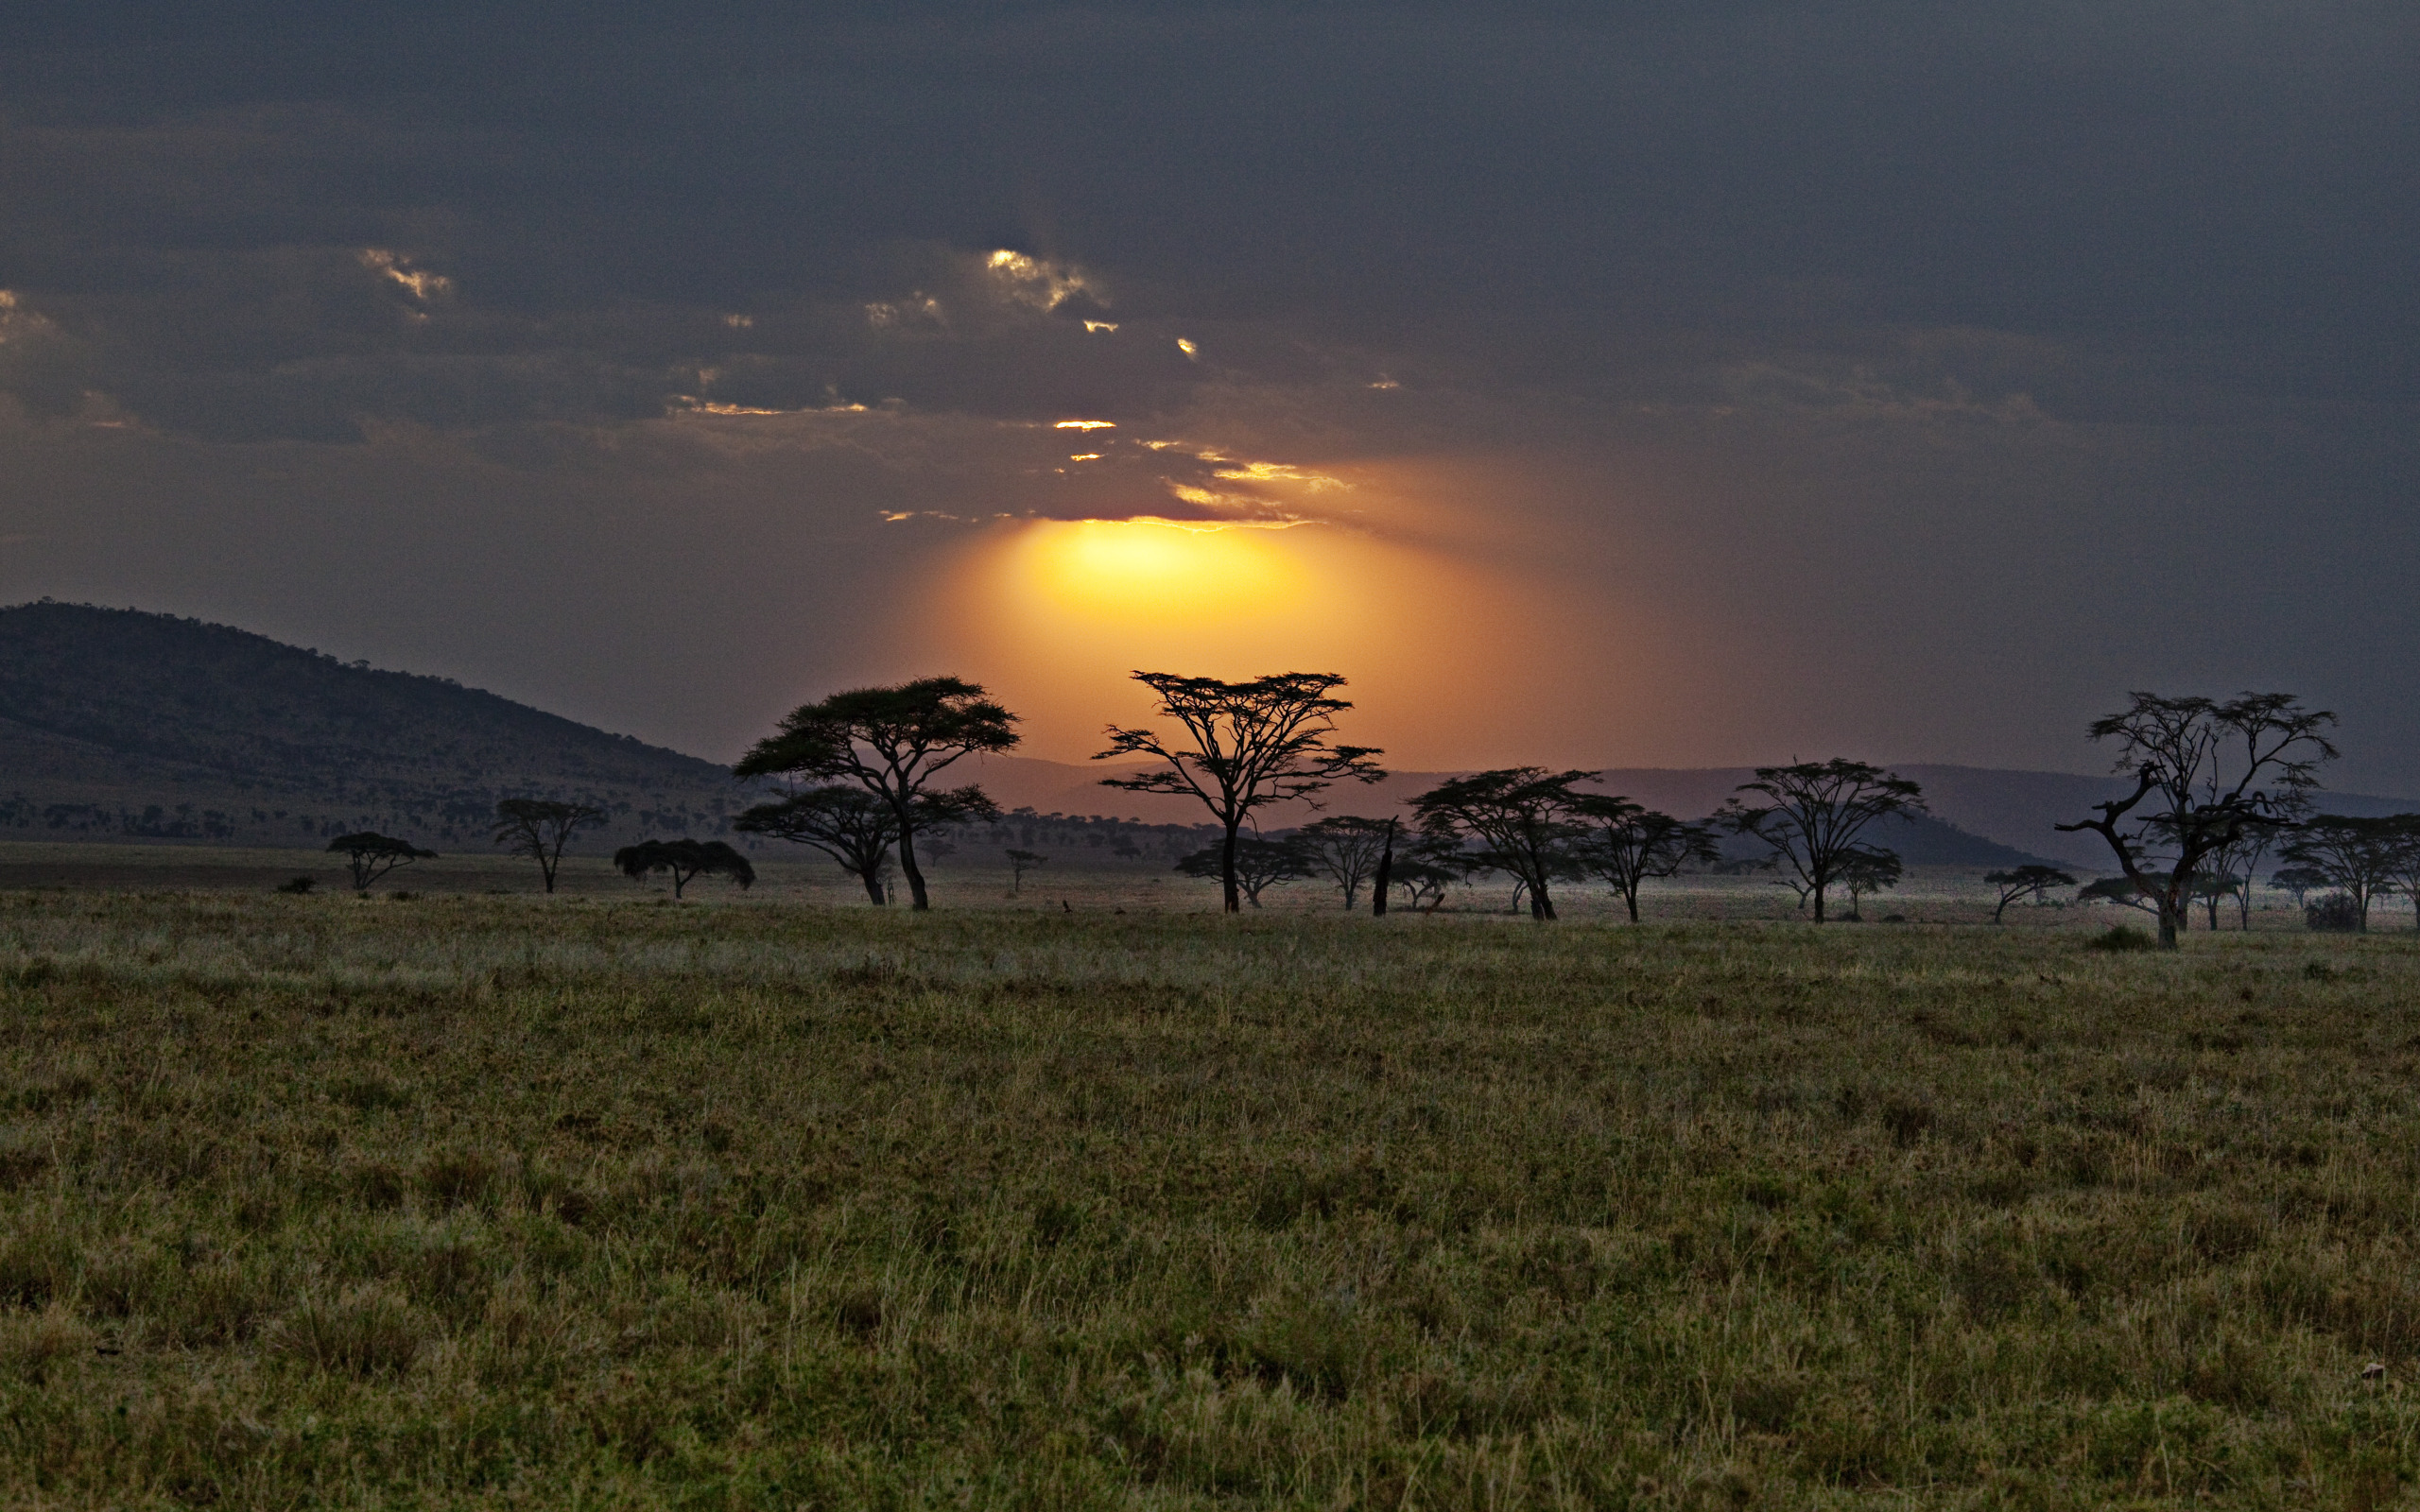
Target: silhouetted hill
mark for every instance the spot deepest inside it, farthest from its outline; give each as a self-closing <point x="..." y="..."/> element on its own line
<point x="115" y="723"/>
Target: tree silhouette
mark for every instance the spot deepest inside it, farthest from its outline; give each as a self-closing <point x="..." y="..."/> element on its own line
<point x="1817" y="813"/>
<point x="1245" y="746"/>
<point x="1248" y="865"/>
<point x="1345" y="849"/>
<point x="2025" y="882"/>
<point x="683" y="860"/>
<point x="2297" y="880"/>
<point x="1628" y="843"/>
<point x="2406" y="871"/>
<point x="369" y="856"/>
<point x="2121" y="890"/>
<point x="1869" y="868"/>
<point x="1524" y="820"/>
<point x="539" y="828"/>
<point x="849" y="824"/>
<point x="894" y="742"/>
<point x="2358" y="857"/>
<point x="1423" y="871"/>
<point x="1021" y="862"/>
<point x="2207" y="774"/>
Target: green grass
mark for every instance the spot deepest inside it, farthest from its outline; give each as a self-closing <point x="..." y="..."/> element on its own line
<point x="502" y="1201"/>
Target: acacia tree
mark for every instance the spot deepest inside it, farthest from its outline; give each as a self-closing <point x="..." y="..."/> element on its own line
<point x="2361" y="858"/>
<point x="2241" y="859"/>
<point x="684" y="859"/>
<point x="2297" y="880"/>
<point x="1423" y="871"/>
<point x="1247" y="865"/>
<point x="849" y="824"/>
<point x="539" y="828"/>
<point x="1524" y="820"/>
<point x="1628" y="843"/>
<point x="1244" y="745"/>
<point x="2033" y="881"/>
<point x="1346" y="849"/>
<point x="1869" y="868"/>
<point x="2207" y="774"/>
<point x="894" y="742"/>
<point x="369" y="856"/>
<point x="1021" y="862"/>
<point x="2406" y="860"/>
<point x="1818" y="811"/>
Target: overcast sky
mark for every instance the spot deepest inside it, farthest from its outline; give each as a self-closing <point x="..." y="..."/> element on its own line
<point x="1688" y="383"/>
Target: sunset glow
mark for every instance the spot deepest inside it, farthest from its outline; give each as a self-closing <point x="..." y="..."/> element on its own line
<point x="1130" y="572"/>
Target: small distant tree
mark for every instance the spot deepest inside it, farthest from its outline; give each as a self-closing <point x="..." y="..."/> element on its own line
<point x="2298" y="881"/>
<point x="2034" y="881"/>
<point x="2122" y="891"/>
<point x="539" y="828"/>
<point x="2211" y="888"/>
<point x="1525" y="822"/>
<point x="2242" y="858"/>
<point x="2358" y="857"/>
<point x="683" y="860"/>
<point x="1251" y="864"/>
<point x="849" y="824"/>
<point x="2207" y="774"/>
<point x="1817" y="813"/>
<point x="369" y="856"/>
<point x="893" y="743"/>
<point x="1244" y="745"/>
<point x="1345" y="849"/>
<point x="1021" y="862"/>
<point x="2406" y="873"/>
<point x="1628" y="843"/>
<point x="1423" y="869"/>
<point x="1865" y="870"/>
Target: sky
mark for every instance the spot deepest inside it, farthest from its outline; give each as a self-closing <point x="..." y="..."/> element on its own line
<point x="1610" y="385"/>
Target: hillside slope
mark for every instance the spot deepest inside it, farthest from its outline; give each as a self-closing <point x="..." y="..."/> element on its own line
<point x="119" y="723"/>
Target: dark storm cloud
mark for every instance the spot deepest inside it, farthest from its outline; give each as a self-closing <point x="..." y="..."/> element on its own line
<point x="1903" y="336"/>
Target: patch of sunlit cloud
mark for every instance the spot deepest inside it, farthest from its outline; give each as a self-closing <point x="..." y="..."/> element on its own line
<point x="917" y="309"/>
<point x="1086" y="425"/>
<point x="1277" y="472"/>
<point x="740" y="322"/>
<point x="1036" y="282"/>
<point x="1085" y="456"/>
<point x="422" y="284"/>
<point x="1385" y="382"/>
<point x="1187" y="347"/>
<point x="1095" y="327"/>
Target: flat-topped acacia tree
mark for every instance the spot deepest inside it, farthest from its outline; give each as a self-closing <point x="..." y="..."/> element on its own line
<point x="1815" y="813"/>
<point x="849" y="824"/>
<point x="539" y="828"/>
<point x="370" y="855"/>
<point x="894" y="742"/>
<point x="1244" y="747"/>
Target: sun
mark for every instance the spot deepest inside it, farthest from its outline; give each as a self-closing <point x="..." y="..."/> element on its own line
<point x="1147" y="571"/>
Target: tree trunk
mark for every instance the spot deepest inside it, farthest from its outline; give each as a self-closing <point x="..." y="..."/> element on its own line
<point x="1819" y="903"/>
<point x="918" y="900"/>
<point x="1235" y="904"/>
<point x="1385" y="877"/>
<point x="1630" y="896"/>
<point x="874" y="886"/>
<point x="1540" y="906"/>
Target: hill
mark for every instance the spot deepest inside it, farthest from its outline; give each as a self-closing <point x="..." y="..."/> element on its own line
<point x="117" y="724"/>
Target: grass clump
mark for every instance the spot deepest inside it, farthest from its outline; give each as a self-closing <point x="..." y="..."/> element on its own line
<point x="476" y="1202"/>
<point x="2119" y="939"/>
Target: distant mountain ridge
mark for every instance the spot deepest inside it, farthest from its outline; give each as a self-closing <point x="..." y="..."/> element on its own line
<point x="122" y="724"/>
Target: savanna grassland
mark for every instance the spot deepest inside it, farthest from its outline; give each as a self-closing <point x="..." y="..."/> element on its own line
<point x="472" y="1201"/>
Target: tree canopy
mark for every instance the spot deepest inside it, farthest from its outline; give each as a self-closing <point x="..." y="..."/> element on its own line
<point x="2358" y="857"/>
<point x="1344" y="847"/>
<point x="895" y="741"/>
<point x="1628" y="844"/>
<point x="2029" y="881"/>
<point x="852" y="826"/>
<point x="1242" y="747"/>
<point x="369" y="856"/>
<point x="539" y="828"/>
<point x="1817" y="813"/>
<point x="1524" y="821"/>
<point x="683" y="860"/>
<point x="1250" y="863"/>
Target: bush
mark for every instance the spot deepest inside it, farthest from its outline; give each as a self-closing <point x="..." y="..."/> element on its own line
<point x="298" y="886"/>
<point x="2335" y="914"/>
<point x="2120" y="937"/>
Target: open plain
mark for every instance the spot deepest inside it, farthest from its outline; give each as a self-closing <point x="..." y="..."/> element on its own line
<point x="483" y="1200"/>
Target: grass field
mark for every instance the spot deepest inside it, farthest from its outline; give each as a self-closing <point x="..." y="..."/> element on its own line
<point x="503" y="1200"/>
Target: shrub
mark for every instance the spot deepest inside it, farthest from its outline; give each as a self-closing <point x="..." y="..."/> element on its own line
<point x="2335" y="914"/>
<point x="2120" y="937"/>
<point x="297" y="886"/>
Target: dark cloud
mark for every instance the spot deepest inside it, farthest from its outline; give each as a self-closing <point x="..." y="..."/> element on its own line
<point x="1987" y="353"/>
